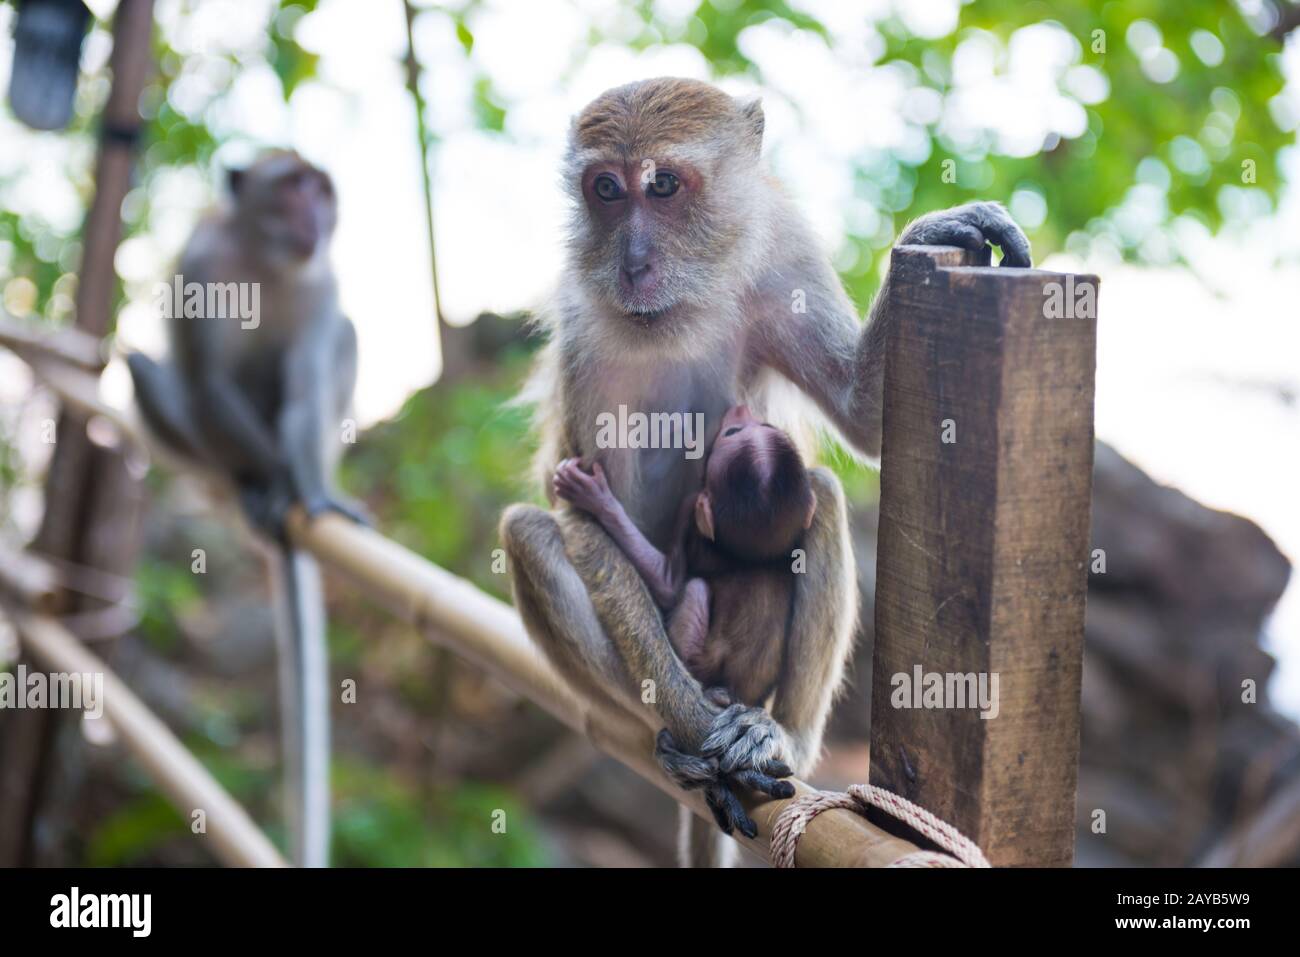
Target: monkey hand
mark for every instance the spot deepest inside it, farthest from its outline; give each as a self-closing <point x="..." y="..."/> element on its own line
<point x="970" y="226"/>
<point x="586" y="491"/>
<point x="337" y="503"/>
<point x="692" y="772"/>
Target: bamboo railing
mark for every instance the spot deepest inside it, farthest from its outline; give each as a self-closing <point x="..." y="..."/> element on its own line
<point x="451" y="612"/>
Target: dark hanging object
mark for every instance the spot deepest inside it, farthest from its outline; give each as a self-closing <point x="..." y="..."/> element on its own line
<point x="47" y="53"/>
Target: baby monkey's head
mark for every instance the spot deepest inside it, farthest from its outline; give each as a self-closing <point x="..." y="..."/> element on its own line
<point x="757" y="499"/>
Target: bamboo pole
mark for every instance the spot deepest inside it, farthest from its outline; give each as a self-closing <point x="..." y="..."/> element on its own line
<point x="235" y="839"/>
<point x="487" y="632"/>
<point x="30" y="581"/>
<point x="65" y="343"/>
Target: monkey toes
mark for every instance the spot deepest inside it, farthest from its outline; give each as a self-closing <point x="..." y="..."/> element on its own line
<point x="694" y="772"/>
<point x="343" y="506"/>
<point x="746" y="738"/>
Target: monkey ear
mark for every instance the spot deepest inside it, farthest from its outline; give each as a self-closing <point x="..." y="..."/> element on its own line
<point x="751" y="112"/>
<point x="234" y="180"/>
<point x="812" y="510"/>
<point x="704" y="515"/>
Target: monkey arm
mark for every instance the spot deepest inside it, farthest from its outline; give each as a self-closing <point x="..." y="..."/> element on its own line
<point x="663" y="575"/>
<point x="809" y="332"/>
<point x="164" y="403"/>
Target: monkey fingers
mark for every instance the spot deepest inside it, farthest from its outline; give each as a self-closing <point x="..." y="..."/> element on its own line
<point x="691" y="772"/>
<point x="766" y="782"/>
<point x="970" y="226"/>
<point x="744" y="738"/>
<point x="727" y="810"/>
<point x="688" y="771"/>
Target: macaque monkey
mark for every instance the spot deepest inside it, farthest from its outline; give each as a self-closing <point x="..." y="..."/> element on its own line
<point x="260" y="399"/>
<point x="692" y="285"/>
<point x="727" y="583"/>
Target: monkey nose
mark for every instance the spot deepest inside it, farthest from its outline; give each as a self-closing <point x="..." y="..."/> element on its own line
<point x="636" y="272"/>
<point x="737" y="413"/>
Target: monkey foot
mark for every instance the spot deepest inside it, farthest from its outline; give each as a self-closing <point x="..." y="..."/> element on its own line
<point x="266" y="510"/>
<point x="694" y="772"/>
<point x="745" y="738"/>
<point x="343" y="506"/>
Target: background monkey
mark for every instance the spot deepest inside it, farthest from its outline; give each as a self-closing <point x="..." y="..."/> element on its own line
<point x="261" y="402"/>
<point x="726" y="584"/>
<point x="685" y="260"/>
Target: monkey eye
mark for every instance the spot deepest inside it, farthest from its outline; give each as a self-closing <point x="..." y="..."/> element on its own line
<point x="732" y="431"/>
<point x="607" y="188"/>
<point x="663" y="185"/>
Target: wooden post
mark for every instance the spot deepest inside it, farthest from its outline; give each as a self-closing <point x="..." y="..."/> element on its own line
<point x="986" y="482"/>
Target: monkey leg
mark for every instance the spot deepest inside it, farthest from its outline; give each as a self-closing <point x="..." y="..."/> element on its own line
<point x="558" y="612"/>
<point x="589" y="611"/>
<point x="688" y="628"/>
<point x="822" y="625"/>
<point x="319" y="381"/>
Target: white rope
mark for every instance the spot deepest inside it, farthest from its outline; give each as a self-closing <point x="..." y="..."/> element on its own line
<point x="794" y="820"/>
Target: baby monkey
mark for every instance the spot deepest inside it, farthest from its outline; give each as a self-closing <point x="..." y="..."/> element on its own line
<point x="726" y="588"/>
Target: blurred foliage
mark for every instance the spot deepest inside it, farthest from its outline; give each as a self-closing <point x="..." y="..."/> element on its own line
<point x="382" y="822"/>
<point x="165" y="591"/>
<point x="439" y="473"/>
<point x="1185" y="137"/>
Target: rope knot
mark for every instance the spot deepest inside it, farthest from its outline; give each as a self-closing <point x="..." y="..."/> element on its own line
<point x="798" y="814"/>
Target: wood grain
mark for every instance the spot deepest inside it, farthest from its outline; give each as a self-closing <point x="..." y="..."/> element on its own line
<point x="983" y="548"/>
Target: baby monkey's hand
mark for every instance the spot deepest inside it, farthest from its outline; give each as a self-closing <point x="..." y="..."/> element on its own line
<point x="589" y="492"/>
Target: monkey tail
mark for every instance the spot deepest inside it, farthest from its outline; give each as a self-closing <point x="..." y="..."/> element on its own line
<point x="304" y="705"/>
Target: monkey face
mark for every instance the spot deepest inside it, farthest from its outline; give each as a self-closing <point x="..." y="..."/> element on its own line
<point x="289" y="203"/>
<point x="663" y="172"/>
<point x="640" y="214"/>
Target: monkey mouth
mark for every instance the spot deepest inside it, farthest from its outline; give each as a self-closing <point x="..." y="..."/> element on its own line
<point x="645" y="305"/>
<point x="645" y="315"/>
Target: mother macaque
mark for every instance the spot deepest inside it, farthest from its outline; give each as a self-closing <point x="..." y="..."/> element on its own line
<point x="685" y="263"/>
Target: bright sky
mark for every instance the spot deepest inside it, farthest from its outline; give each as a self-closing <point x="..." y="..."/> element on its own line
<point x="1196" y="408"/>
